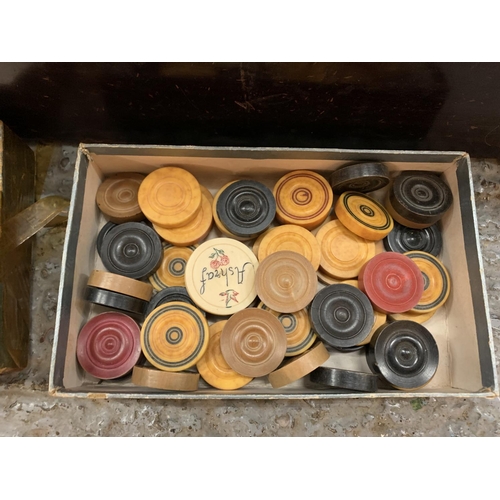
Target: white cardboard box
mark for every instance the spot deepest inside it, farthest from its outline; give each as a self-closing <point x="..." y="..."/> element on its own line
<point x="461" y="328"/>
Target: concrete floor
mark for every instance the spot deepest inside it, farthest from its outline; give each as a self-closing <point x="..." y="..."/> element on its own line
<point x="27" y="410"/>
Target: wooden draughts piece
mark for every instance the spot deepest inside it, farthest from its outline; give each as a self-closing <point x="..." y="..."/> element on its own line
<point x="344" y="379"/>
<point x="172" y="267"/>
<point x="343" y="253"/>
<point x="303" y="198"/>
<point x="131" y="249"/>
<point x="405" y="354"/>
<point x="363" y="216"/>
<point x="286" y="282"/>
<point x="380" y="318"/>
<point x="406" y="239"/>
<point x="194" y="231"/>
<point x="299" y="333"/>
<point x="360" y="177"/>
<point x="437" y="282"/>
<point x="326" y="279"/>
<point x="419" y="199"/>
<point x="411" y="316"/>
<point x="120" y="284"/>
<point x="108" y="345"/>
<point x="170" y="197"/>
<point x="292" y="238"/>
<point x="246" y="208"/>
<point x="115" y="300"/>
<point x="300" y="366"/>
<point x="170" y="294"/>
<point x="220" y="276"/>
<point x="218" y="223"/>
<point x="392" y="281"/>
<point x="117" y="197"/>
<point x="213" y="367"/>
<point x="166" y="381"/>
<point x="342" y="316"/>
<point x="174" y="336"/>
<point x="401" y="220"/>
<point x="253" y="342"/>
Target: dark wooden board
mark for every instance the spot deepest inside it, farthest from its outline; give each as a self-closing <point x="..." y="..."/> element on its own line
<point x="424" y="106"/>
<point x="17" y="192"/>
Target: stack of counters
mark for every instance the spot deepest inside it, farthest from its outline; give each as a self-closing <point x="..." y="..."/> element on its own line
<point x="343" y="253"/>
<point x="292" y="238"/>
<point x="379" y="317"/>
<point x="194" y="231"/>
<point x="360" y="177"/>
<point x="246" y="208"/>
<point x="437" y="283"/>
<point x="108" y="345"/>
<point x="344" y="379"/>
<point x="115" y="300"/>
<point x="170" y="294"/>
<point x="392" y="281"/>
<point x="218" y="223"/>
<point x="303" y="198"/>
<point x="299" y="333"/>
<point x="253" y="342"/>
<point x="342" y="316"/>
<point x="174" y="336"/>
<point x="117" y="198"/>
<point x="172" y="267"/>
<point x="405" y="239"/>
<point x="296" y="368"/>
<point x="170" y="197"/>
<point x="418" y="199"/>
<point x="166" y="381"/>
<point x="131" y="249"/>
<point x="220" y="276"/>
<point x="286" y="282"/>
<point x="120" y="284"/>
<point x="363" y="216"/>
<point x="404" y="354"/>
<point x="213" y="367"/>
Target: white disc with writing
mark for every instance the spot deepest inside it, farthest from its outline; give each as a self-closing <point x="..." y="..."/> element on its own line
<point x="220" y="276"/>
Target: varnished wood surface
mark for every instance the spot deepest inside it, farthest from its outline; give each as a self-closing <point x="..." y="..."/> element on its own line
<point x="213" y="367"/>
<point x="117" y="197"/>
<point x="174" y="336"/>
<point x="120" y="284"/>
<point x="168" y="381"/>
<point x="292" y="238"/>
<point x="286" y="282"/>
<point x="300" y="366"/>
<point x="253" y="342"/>
<point x="194" y="231"/>
<point x="170" y="197"/>
<point x="303" y="198"/>
<point x="343" y="253"/>
<point x="363" y="215"/>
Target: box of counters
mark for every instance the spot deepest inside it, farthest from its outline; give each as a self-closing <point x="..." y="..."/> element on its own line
<point x="194" y="272"/>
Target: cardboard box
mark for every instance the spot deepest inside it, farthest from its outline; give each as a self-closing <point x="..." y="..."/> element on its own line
<point x="461" y="328"/>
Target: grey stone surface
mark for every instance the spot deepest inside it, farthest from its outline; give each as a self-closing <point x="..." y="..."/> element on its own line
<point x="27" y="410"/>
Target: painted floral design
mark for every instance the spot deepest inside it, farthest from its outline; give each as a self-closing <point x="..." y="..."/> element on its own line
<point x="218" y="259"/>
<point x="228" y="296"/>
